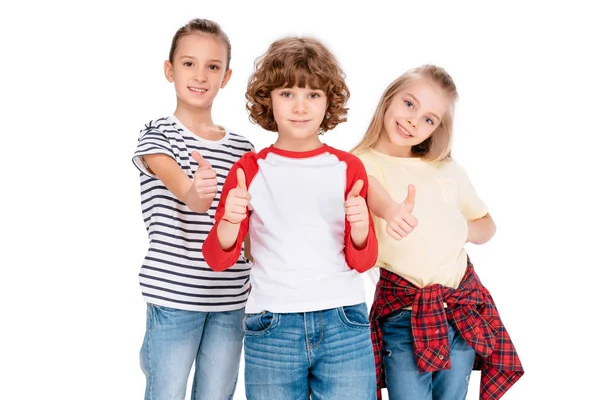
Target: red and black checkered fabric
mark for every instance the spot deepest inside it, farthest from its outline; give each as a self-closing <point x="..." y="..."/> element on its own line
<point x="470" y="309"/>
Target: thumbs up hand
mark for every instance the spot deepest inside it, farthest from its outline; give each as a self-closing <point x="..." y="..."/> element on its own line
<point x="236" y="205"/>
<point x="200" y="194"/>
<point x="205" y="179"/>
<point x="399" y="218"/>
<point x="357" y="214"/>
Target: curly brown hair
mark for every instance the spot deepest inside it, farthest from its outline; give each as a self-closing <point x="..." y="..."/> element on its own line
<point x="302" y="62"/>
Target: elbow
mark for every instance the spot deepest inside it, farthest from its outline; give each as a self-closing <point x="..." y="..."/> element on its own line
<point x="364" y="267"/>
<point x="491" y="227"/>
<point x="364" y="264"/>
<point x="218" y="268"/>
<point x="215" y="264"/>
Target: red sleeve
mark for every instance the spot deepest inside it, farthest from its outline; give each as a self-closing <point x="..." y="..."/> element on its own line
<point x="217" y="258"/>
<point x="364" y="259"/>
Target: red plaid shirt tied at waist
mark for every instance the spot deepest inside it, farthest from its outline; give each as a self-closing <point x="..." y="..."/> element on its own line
<point x="470" y="309"/>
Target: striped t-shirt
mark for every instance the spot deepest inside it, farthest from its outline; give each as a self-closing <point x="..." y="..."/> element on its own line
<point x="174" y="273"/>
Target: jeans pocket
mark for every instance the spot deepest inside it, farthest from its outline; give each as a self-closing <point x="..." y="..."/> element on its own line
<point x="260" y="324"/>
<point x="165" y="309"/>
<point x="355" y="316"/>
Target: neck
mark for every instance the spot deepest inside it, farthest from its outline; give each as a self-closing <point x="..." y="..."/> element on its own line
<point x="299" y="145"/>
<point x="385" y="147"/>
<point x="198" y="120"/>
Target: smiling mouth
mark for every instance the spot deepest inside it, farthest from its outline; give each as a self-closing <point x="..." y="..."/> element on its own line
<point x="197" y="90"/>
<point x="403" y="132"/>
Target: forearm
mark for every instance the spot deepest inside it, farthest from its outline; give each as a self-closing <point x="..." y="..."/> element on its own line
<point x="379" y="201"/>
<point x="176" y="181"/>
<point x="194" y="202"/>
<point x="359" y="237"/>
<point x="481" y="230"/>
<point x="362" y="259"/>
<point x="227" y="234"/>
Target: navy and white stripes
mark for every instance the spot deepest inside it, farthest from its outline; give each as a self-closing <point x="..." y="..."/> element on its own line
<point x="174" y="273"/>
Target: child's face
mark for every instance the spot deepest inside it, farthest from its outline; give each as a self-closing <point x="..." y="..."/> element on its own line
<point x="414" y="113"/>
<point x="198" y="69"/>
<point x="298" y="113"/>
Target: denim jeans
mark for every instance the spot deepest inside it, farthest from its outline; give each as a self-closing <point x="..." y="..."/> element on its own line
<point x="403" y="380"/>
<point x="176" y="338"/>
<point x="327" y="354"/>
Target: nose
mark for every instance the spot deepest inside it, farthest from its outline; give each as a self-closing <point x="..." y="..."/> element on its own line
<point x="412" y="121"/>
<point x="299" y="106"/>
<point x="200" y="75"/>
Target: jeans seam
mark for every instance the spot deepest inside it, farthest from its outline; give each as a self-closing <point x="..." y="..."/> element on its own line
<point x="149" y="353"/>
<point x="307" y="341"/>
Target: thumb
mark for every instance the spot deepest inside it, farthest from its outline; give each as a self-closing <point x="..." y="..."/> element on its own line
<point x="410" y="198"/>
<point x="241" y="179"/>
<point x="202" y="163"/>
<point x="355" y="191"/>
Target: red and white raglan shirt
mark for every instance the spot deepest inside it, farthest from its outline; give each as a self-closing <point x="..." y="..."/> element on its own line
<point x="304" y="258"/>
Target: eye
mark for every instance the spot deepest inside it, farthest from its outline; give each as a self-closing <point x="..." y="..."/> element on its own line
<point x="429" y="121"/>
<point x="408" y="103"/>
<point x="188" y="63"/>
<point x="287" y="95"/>
<point x="214" y="67"/>
<point x="314" y="95"/>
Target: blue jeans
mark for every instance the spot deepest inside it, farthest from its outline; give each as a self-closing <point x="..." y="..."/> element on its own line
<point x="327" y="354"/>
<point x="403" y="380"/>
<point x="176" y="338"/>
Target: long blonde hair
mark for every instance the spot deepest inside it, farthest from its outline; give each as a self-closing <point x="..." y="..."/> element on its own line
<point x="437" y="147"/>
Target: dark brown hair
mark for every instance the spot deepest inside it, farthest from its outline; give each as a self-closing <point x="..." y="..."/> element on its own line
<point x="302" y="62"/>
<point x="205" y="26"/>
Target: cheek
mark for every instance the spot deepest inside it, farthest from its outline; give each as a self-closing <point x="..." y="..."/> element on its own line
<point x="277" y="109"/>
<point x="321" y="108"/>
<point x="429" y="131"/>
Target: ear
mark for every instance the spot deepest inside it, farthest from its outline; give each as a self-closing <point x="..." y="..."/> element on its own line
<point x="226" y="78"/>
<point x="168" y="68"/>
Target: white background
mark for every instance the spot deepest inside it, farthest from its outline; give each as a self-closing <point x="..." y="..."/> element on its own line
<point x="79" y="81"/>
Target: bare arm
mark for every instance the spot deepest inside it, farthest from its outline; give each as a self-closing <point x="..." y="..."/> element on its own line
<point x="236" y="210"/>
<point x="481" y="230"/>
<point x="379" y="200"/>
<point x="227" y="234"/>
<point x="198" y="193"/>
<point x="398" y="216"/>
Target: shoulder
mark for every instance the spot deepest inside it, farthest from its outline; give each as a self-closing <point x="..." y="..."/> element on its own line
<point x="366" y="155"/>
<point x="162" y="126"/>
<point x="248" y="159"/>
<point x="372" y="161"/>
<point x="239" y="141"/>
<point x="451" y="167"/>
<point x="349" y="158"/>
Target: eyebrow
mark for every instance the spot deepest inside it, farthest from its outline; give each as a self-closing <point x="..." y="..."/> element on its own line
<point x="212" y="61"/>
<point x="307" y="88"/>
<point x="418" y="103"/>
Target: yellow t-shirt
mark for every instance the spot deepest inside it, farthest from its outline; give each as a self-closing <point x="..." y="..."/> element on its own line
<point x="445" y="201"/>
